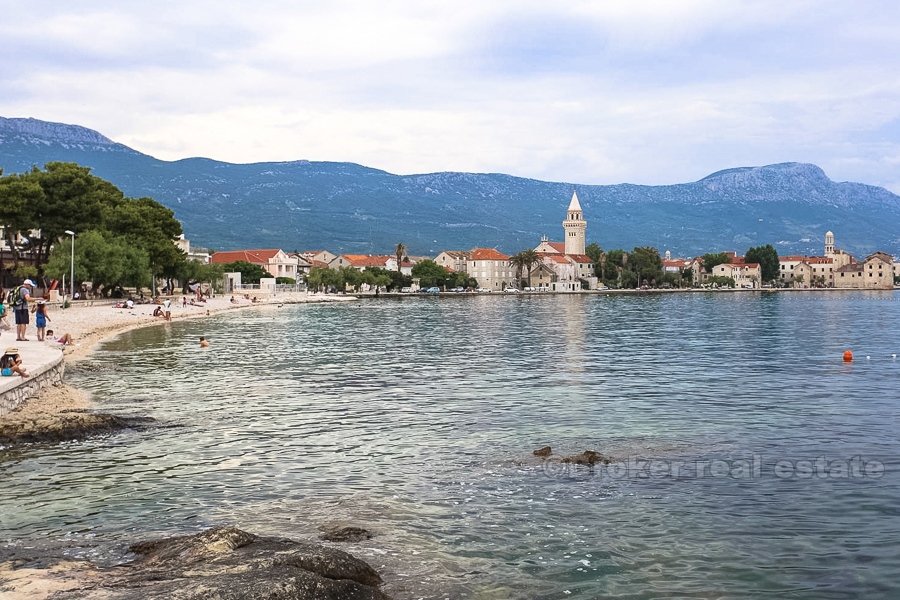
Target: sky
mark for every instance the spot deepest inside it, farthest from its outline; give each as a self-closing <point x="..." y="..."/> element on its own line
<point x="584" y="92"/>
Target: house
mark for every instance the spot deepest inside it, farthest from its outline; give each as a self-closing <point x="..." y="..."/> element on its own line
<point x="200" y="255"/>
<point x="490" y="268"/>
<point x="454" y="259"/>
<point x="361" y="262"/>
<point x="745" y="275"/>
<point x="320" y="256"/>
<point x="876" y="273"/>
<point x="276" y="262"/>
<point x="813" y="271"/>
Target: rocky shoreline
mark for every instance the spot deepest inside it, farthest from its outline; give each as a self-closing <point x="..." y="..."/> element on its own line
<point x="223" y="562"/>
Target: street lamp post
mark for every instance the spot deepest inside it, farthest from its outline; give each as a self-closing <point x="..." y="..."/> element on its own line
<point x="72" y="273"/>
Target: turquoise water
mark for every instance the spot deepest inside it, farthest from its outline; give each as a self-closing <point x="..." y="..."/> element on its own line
<point x="748" y="460"/>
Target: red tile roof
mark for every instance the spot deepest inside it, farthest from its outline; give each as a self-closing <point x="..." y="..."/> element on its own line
<point x="581" y="258"/>
<point x="558" y="246"/>
<point x="370" y="261"/>
<point x="488" y="254"/>
<point x="256" y="257"/>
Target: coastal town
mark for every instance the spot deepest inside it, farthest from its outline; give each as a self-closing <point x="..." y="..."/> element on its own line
<point x="567" y="266"/>
<point x="572" y="266"/>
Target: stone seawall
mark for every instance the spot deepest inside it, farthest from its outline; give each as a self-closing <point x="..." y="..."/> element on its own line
<point x="45" y="367"/>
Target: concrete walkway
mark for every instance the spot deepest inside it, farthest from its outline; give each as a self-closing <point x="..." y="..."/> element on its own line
<point x="43" y="361"/>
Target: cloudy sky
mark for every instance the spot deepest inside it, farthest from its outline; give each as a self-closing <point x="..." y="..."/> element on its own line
<point x="596" y="92"/>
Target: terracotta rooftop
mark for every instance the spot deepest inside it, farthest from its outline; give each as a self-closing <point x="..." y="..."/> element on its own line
<point x="488" y="254"/>
<point x="251" y="256"/>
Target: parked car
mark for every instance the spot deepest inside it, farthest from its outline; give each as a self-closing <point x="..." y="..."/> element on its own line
<point x="433" y="290"/>
<point x="405" y="290"/>
<point x="458" y="289"/>
<point x="602" y="287"/>
<point x="511" y="290"/>
<point x="484" y="290"/>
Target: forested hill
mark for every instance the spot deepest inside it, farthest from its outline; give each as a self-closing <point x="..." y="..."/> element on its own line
<point x="349" y="208"/>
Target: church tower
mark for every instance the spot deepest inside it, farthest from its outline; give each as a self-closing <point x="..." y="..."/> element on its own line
<point x="574" y="227"/>
<point x="829" y="243"/>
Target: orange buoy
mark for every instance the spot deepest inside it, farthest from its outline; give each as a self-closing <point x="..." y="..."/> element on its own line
<point x="848" y="356"/>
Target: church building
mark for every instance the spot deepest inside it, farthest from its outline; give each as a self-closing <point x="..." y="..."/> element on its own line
<point x="574" y="270"/>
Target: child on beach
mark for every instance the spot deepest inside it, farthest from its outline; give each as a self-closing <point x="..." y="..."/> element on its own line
<point x="11" y="363"/>
<point x="40" y="318"/>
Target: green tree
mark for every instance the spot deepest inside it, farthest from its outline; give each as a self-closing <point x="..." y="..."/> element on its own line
<point x="711" y="261"/>
<point x="524" y="261"/>
<point x="19" y="194"/>
<point x="646" y="263"/>
<point x="430" y="274"/>
<point x="597" y="255"/>
<point x="395" y="279"/>
<point x="152" y="227"/>
<point x="720" y="281"/>
<point x="72" y="199"/>
<point x="108" y="262"/>
<point x="767" y="257"/>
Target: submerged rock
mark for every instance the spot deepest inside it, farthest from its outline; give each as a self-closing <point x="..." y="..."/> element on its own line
<point x="588" y="457"/>
<point x="345" y="534"/>
<point x="63" y="426"/>
<point x="545" y="451"/>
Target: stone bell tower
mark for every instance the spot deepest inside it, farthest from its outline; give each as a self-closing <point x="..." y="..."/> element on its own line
<point x="574" y="227"/>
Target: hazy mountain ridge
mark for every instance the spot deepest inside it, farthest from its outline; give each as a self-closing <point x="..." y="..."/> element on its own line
<point x="347" y="207"/>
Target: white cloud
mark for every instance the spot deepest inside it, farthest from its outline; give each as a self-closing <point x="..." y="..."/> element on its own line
<point x="586" y="92"/>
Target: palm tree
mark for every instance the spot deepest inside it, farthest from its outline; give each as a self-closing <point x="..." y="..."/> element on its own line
<point x="517" y="261"/>
<point x="530" y="257"/>
<point x="399" y="252"/>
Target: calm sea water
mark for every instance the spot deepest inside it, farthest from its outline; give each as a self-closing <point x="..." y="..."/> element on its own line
<point x="749" y="461"/>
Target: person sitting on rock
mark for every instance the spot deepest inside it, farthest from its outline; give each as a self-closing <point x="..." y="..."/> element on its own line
<point x="11" y="363"/>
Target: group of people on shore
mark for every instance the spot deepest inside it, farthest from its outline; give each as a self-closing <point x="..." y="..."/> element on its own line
<point x="18" y="299"/>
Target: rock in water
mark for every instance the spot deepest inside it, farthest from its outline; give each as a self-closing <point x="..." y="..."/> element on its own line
<point x="226" y="563"/>
<point x="588" y="457"/>
<point x="545" y="451"/>
<point x="345" y="534"/>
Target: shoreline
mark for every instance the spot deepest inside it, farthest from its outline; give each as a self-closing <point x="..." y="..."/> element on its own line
<point x="53" y="574"/>
<point x="91" y="325"/>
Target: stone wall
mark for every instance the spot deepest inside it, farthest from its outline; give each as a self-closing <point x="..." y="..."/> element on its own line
<point x="16" y="390"/>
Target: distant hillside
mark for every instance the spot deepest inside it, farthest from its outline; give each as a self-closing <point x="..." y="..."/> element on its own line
<point x="346" y="207"/>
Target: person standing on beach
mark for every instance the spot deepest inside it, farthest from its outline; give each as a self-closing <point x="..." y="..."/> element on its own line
<point x="40" y="318"/>
<point x="21" y="296"/>
<point x="167" y="304"/>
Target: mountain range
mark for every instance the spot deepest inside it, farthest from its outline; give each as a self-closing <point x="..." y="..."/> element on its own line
<point x="349" y="208"/>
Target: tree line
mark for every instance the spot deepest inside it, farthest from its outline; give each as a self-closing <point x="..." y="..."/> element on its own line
<point x="119" y="241"/>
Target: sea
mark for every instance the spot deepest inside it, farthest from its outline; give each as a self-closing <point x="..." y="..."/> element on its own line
<point x="746" y="458"/>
